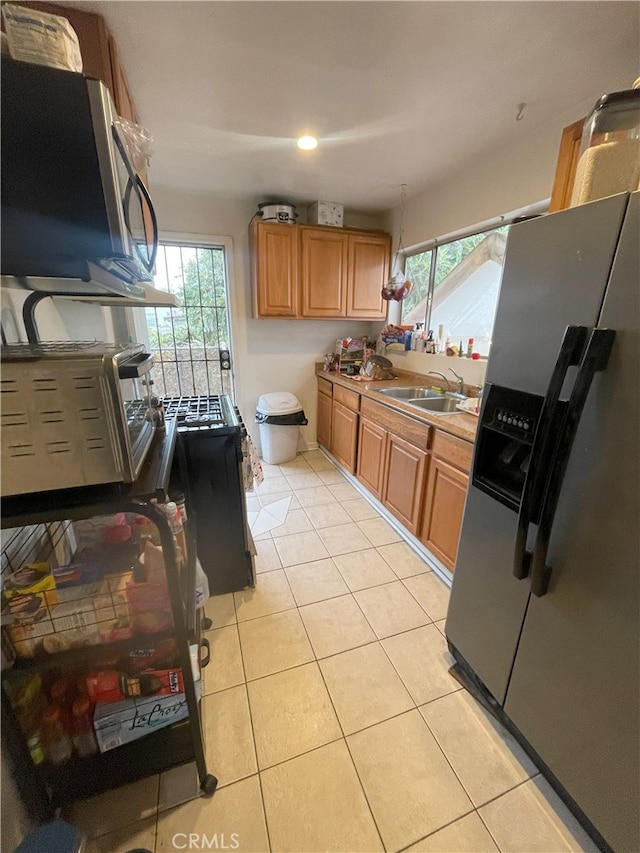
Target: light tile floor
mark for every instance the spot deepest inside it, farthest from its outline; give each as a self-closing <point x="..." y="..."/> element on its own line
<point x="330" y="717"/>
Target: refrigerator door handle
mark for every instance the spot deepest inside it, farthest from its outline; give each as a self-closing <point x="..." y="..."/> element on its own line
<point x="595" y="359"/>
<point x="570" y="353"/>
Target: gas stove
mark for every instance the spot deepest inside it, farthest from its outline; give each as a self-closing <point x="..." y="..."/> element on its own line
<point x="214" y="412"/>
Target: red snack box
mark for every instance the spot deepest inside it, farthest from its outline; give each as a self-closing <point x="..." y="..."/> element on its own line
<point x="113" y="686"/>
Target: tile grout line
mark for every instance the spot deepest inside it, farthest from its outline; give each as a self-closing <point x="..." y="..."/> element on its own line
<point x="344" y="737"/>
<point x="378" y="640"/>
<point x="253" y="738"/>
<point x="435" y="831"/>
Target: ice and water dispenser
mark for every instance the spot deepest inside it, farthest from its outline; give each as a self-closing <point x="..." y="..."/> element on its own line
<point x="505" y="439"/>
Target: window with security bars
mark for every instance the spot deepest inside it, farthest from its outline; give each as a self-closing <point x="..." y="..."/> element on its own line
<point x="187" y="342"/>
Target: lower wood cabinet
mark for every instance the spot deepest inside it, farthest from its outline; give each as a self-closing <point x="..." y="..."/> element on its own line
<point x="344" y="435"/>
<point x="445" y="494"/>
<point x="324" y="420"/>
<point x="404" y="481"/>
<point x="420" y="474"/>
<point x="372" y="444"/>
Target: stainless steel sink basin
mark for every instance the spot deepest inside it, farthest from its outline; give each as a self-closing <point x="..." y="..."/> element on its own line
<point x="409" y="393"/>
<point x="440" y="406"/>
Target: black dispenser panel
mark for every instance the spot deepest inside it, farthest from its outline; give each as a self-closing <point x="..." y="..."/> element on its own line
<point x="505" y="438"/>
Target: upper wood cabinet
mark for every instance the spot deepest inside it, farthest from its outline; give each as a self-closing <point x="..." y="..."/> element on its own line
<point x="99" y="52"/>
<point x="337" y="273"/>
<point x="121" y="92"/>
<point x="324" y="257"/>
<point x="566" y="166"/>
<point x="369" y="258"/>
<point x="275" y="277"/>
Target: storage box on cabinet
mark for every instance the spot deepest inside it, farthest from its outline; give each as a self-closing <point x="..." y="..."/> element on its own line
<point x="100" y="58"/>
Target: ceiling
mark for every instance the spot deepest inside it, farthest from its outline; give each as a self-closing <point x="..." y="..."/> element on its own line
<point x="397" y="92"/>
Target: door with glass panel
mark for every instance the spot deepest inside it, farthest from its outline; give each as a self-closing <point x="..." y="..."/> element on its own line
<point x="191" y="344"/>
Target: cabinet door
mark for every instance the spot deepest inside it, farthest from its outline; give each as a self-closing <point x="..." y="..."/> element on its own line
<point x="324" y="273"/>
<point x="566" y="166"/>
<point x="372" y="443"/>
<point x="344" y="435"/>
<point x="275" y="269"/>
<point x="404" y="481"/>
<point x="444" y="506"/>
<point x="369" y="257"/>
<point x="324" y="420"/>
<point x="121" y="93"/>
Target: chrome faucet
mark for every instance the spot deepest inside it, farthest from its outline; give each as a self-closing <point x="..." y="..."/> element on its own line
<point x="437" y="373"/>
<point x="460" y="381"/>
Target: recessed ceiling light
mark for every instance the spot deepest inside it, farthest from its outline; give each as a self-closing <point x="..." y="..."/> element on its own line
<point x="307" y="143"/>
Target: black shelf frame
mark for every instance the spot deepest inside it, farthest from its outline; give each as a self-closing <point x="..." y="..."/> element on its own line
<point x="45" y="788"/>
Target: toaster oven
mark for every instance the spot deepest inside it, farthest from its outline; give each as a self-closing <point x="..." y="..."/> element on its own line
<point x="73" y="414"/>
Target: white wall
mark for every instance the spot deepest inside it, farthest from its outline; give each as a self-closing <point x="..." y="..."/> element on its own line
<point x="269" y="355"/>
<point x="56" y="319"/>
<point x="514" y="174"/>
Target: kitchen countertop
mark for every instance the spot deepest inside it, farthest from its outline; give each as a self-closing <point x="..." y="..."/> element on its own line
<point x="461" y="425"/>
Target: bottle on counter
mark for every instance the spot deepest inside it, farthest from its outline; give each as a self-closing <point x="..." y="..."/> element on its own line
<point x="469" y="347"/>
<point x="82" y="734"/>
<point x="55" y="740"/>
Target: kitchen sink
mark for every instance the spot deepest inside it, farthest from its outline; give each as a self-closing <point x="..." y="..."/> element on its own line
<point x="409" y="393"/>
<point x="426" y="399"/>
<point x="441" y="406"/>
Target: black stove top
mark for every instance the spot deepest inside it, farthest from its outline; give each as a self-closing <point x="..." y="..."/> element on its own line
<point x="201" y="412"/>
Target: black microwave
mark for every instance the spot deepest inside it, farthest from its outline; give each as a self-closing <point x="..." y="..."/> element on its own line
<point x="73" y="205"/>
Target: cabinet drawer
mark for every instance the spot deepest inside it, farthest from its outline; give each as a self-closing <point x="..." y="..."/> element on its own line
<point x="412" y="431"/>
<point x="350" y="399"/>
<point x="325" y="387"/>
<point x="455" y="451"/>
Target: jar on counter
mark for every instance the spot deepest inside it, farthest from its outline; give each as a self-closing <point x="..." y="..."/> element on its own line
<point x="609" y="159"/>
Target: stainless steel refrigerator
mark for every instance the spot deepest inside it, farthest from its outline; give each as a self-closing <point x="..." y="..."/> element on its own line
<point x="545" y="606"/>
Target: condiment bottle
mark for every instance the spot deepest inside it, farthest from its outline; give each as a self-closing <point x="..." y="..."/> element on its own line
<point x="469" y="347"/>
<point x="82" y="734"/>
<point x="175" y="523"/>
<point x="57" y="743"/>
<point x="182" y="508"/>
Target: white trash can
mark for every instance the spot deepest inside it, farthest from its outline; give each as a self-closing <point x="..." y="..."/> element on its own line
<point x="279" y="415"/>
